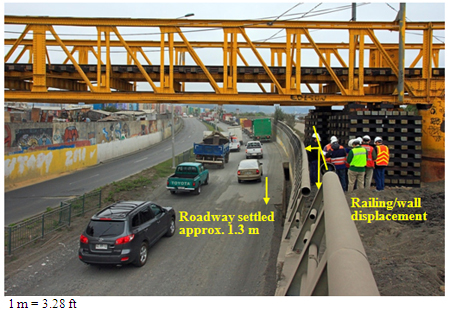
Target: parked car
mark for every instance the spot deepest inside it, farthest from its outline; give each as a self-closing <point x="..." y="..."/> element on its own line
<point x="123" y="232"/>
<point x="254" y="149"/>
<point x="249" y="169"/>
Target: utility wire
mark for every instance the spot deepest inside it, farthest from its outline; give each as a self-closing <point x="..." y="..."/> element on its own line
<point x="271" y="23"/>
<point x="299" y="18"/>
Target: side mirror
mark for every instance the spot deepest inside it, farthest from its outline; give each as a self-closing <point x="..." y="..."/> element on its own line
<point x="260" y="164"/>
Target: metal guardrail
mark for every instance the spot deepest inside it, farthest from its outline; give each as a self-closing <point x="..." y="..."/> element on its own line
<point x="25" y="232"/>
<point x="186" y="156"/>
<point x="321" y="252"/>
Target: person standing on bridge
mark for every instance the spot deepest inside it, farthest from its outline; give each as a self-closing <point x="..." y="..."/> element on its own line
<point x="371" y="157"/>
<point x="337" y="156"/>
<point x="380" y="163"/>
<point x="313" y="159"/>
<point x="357" y="159"/>
<point x="327" y="147"/>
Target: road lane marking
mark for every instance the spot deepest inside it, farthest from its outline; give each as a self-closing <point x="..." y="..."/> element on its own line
<point x="140" y="160"/>
<point x="85" y="179"/>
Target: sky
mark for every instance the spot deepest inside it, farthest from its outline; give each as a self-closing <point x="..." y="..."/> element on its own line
<point x="374" y="11"/>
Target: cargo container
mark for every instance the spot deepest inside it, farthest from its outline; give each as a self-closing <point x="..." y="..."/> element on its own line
<point x="262" y="129"/>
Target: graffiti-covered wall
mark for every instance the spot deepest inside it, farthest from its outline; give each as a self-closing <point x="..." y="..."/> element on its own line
<point x="37" y="150"/>
<point x="38" y="164"/>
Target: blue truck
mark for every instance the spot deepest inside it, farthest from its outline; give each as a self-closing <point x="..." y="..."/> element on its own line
<point x="214" y="150"/>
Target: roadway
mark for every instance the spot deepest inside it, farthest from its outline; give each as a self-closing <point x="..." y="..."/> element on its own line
<point x="241" y="263"/>
<point x="31" y="200"/>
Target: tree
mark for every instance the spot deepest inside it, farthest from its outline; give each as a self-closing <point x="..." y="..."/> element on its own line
<point x="279" y="114"/>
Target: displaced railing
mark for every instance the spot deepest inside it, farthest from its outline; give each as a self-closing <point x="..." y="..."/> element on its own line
<point x="37" y="227"/>
<point x="297" y="158"/>
<point x="321" y="254"/>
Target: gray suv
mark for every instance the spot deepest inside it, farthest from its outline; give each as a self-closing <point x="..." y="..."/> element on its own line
<point x="123" y="232"/>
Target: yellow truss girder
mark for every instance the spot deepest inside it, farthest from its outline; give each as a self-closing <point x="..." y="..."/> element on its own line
<point x="235" y="42"/>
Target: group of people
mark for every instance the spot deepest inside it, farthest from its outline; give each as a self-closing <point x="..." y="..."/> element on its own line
<point x="355" y="165"/>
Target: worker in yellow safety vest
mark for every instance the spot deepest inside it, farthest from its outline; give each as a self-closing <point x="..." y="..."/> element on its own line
<point x="357" y="159"/>
<point x="380" y="163"/>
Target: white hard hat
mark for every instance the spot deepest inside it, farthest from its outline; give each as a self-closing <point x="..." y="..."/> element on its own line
<point x="314" y="136"/>
<point x="366" y="138"/>
<point x="333" y="139"/>
<point x="357" y="140"/>
<point x="350" y="142"/>
<point x="378" y="139"/>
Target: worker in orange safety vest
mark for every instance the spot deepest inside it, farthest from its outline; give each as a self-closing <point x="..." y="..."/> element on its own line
<point x="380" y="163"/>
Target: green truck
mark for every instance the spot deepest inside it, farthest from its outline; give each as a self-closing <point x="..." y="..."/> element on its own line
<point x="262" y="129"/>
<point x="188" y="177"/>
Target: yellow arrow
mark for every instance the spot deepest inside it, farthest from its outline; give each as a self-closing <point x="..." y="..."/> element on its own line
<point x="318" y="183"/>
<point x="320" y="147"/>
<point x="266" y="199"/>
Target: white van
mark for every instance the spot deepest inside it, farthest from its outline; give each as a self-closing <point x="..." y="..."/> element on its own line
<point x="234" y="144"/>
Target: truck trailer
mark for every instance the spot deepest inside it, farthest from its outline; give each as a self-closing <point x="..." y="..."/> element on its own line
<point x="262" y="129"/>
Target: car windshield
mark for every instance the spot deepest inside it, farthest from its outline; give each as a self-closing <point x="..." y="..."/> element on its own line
<point x="105" y="228"/>
<point x="254" y="145"/>
<point x="248" y="164"/>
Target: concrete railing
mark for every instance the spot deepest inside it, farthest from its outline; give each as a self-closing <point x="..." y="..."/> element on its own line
<point x="321" y="252"/>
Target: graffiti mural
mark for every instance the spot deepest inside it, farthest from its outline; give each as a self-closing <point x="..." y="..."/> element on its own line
<point x="91" y="137"/>
<point x="58" y="138"/>
<point x="117" y="131"/>
<point x="26" y="138"/>
<point x="153" y="126"/>
<point x="71" y="134"/>
<point x="144" y="130"/>
<point x="7" y="136"/>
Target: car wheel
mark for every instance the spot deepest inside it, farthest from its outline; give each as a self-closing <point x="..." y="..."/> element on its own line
<point x="259" y="180"/>
<point x="143" y="254"/>
<point x="239" y="181"/>
<point x="171" y="229"/>
<point x="198" y="190"/>
<point x="207" y="179"/>
<point x="172" y="192"/>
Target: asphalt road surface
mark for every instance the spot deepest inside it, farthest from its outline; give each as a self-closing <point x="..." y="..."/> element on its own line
<point x="31" y="200"/>
<point x="240" y="261"/>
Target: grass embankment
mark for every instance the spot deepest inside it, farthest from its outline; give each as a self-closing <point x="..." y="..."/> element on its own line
<point x="142" y="179"/>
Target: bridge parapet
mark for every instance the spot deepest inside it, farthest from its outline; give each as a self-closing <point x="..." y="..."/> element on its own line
<point x="323" y="253"/>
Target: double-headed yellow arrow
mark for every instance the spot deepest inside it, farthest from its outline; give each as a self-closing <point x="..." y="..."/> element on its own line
<point x="319" y="153"/>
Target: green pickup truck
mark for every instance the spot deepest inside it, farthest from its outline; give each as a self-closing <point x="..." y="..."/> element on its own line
<point x="188" y="177"/>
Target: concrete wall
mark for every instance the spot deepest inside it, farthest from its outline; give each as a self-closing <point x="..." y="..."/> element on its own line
<point x="34" y="151"/>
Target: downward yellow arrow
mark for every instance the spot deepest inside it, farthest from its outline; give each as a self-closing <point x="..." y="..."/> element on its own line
<point x="319" y="154"/>
<point x="266" y="199"/>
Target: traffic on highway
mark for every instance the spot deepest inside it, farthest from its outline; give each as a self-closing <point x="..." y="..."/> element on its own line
<point x="232" y="251"/>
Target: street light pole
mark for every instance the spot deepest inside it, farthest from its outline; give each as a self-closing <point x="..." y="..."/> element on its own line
<point x="173" y="137"/>
<point x="173" y="111"/>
